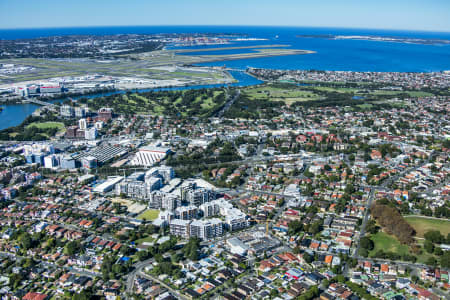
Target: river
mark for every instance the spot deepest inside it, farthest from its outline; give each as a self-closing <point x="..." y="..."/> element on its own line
<point x="14" y="114"/>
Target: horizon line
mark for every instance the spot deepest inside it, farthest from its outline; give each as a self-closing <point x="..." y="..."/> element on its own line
<point x="223" y="25"/>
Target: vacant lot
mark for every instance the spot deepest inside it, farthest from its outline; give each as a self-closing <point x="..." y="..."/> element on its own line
<point x="149" y="215"/>
<point x="422" y="225"/>
<point x="388" y="243"/>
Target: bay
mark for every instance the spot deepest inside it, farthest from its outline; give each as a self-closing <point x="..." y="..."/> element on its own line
<point x="337" y="55"/>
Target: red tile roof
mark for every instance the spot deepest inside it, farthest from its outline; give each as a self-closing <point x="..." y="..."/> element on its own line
<point x="34" y="296"/>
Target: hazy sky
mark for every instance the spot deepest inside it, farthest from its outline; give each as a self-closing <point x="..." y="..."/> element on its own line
<point x="388" y="14"/>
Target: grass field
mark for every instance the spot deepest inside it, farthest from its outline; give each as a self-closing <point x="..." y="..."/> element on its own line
<point x="299" y="94"/>
<point x="388" y="243"/>
<point x="424" y="255"/>
<point x="190" y="74"/>
<point x="149" y="215"/>
<point x="208" y="102"/>
<point x="422" y="225"/>
<point x="46" y="125"/>
<point x="147" y="239"/>
<point x="365" y="106"/>
<point x="336" y="89"/>
<point x="393" y="93"/>
<point x="287" y="96"/>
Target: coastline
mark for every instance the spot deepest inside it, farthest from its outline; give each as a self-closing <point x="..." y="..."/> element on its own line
<point x="226" y="48"/>
<point x="277" y="52"/>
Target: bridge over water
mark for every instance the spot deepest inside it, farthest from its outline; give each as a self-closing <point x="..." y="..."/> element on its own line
<point x="39" y="102"/>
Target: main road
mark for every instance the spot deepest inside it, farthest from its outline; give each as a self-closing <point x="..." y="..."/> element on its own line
<point x="362" y="232"/>
<point x="138" y="272"/>
<point x="228" y="104"/>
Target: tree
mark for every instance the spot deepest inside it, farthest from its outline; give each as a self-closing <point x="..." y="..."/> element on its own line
<point x="431" y="261"/>
<point x="159" y="258"/>
<point x="25" y="240"/>
<point x="445" y="260"/>
<point x="142" y="255"/>
<point x="434" y="236"/>
<point x="118" y="269"/>
<point x="51" y="243"/>
<point x="308" y="173"/>
<point x="366" y="243"/>
<point x="176" y="257"/>
<point x="316" y="227"/>
<point x="308" y="257"/>
<point x="393" y="222"/>
<point x="72" y="247"/>
<point x="336" y="269"/>
<point x="14" y="280"/>
<point x="312" y="293"/>
<point x="429" y="246"/>
<point x="349" y="189"/>
<point x="86" y="294"/>
<point x="28" y="262"/>
<point x="295" y="227"/>
<point x="273" y="293"/>
<point x="125" y="250"/>
<point x="363" y="252"/>
<point x="190" y="250"/>
<point x="106" y="267"/>
<point x="371" y="227"/>
<point x="438" y="251"/>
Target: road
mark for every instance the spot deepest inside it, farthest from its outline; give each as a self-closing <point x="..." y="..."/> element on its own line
<point x="171" y="290"/>
<point x="258" y="192"/>
<point x="252" y="159"/>
<point x="132" y="275"/>
<point x="389" y="180"/>
<point x="362" y="232"/>
<point x="228" y="104"/>
<point x="138" y="272"/>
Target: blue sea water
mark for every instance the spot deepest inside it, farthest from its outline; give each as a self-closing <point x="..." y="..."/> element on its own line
<point x="354" y="55"/>
<point x="203" y="51"/>
<point x="340" y="55"/>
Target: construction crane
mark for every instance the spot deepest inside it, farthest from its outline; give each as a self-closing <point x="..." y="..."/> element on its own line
<point x="267" y="227"/>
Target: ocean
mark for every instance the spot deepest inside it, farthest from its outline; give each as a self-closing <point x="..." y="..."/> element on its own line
<point x="337" y="55"/>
